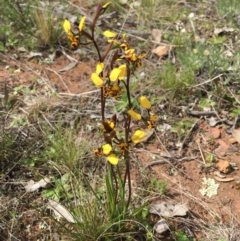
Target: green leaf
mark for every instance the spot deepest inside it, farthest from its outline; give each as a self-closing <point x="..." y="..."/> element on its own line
<point x="181" y="236"/>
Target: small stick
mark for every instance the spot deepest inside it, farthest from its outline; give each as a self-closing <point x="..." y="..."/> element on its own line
<point x="185" y="138"/>
<point x="166" y="161"/>
<point x="201" y="113"/>
<point x="156" y="163"/>
<point x="78" y="95"/>
<point x="201" y="154"/>
<point x="207" y="81"/>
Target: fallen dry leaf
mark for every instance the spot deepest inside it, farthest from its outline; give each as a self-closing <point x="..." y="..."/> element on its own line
<point x="17" y="71"/>
<point x="148" y="134"/>
<point x="34" y="54"/>
<point x="161" y="50"/>
<point x="168" y="209"/>
<point x="222" y="178"/>
<point x="34" y="186"/>
<point x="221" y="149"/>
<point x="22" y="50"/>
<point x="236" y="135"/>
<point x="157" y="35"/>
<point x="218" y="31"/>
<point x="60" y="211"/>
<point x="68" y="67"/>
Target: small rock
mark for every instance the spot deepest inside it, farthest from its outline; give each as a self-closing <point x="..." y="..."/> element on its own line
<point x="161" y="226"/>
<point x="214" y="133"/>
<point x="232" y="140"/>
<point x="222" y="148"/>
<point x="212" y="121"/>
<point x="224" y="166"/>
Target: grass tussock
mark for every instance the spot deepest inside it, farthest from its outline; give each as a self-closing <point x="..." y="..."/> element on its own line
<point x="47" y="25"/>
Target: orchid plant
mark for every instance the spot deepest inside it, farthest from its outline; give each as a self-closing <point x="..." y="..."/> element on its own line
<point x="114" y="80"/>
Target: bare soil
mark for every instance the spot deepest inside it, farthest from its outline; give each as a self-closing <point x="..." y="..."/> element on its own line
<point x="183" y="168"/>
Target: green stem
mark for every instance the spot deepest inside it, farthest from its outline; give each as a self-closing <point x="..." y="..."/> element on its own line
<point x="116" y="184"/>
<point x="110" y="193"/>
<point x="128" y="174"/>
<point x="122" y="193"/>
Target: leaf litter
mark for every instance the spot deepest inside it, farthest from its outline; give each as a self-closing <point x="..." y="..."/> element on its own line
<point x="190" y="169"/>
<point x="34" y="186"/>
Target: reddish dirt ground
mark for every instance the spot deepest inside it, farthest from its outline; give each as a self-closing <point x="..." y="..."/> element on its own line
<point x="22" y="72"/>
<point x="184" y="178"/>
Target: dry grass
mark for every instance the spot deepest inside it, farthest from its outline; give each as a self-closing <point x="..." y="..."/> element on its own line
<point x="65" y="156"/>
<point x="48" y="27"/>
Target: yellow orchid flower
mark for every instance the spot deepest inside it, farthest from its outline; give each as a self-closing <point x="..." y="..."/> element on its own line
<point x="134" y="114"/>
<point x="115" y="74"/>
<point x="138" y="136"/>
<point x="130" y="55"/>
<point x="73" y="38"/>
<point x="97" y="80"/>
<point x="106" y="5"/>
<point x="118" y="73"/>
<point x="141" y="56"/>
<point x="133" y="57"/>
<point x="109" y="34"/>
<point x="99" y="68"/>
<point x="153" y="117"/>
<point x="144" y="102"/>
<point x="130" y="52"/>
<point x="108" y="126"/>
<point x="123" y="73"/>
<point x="67" y="26"/>
<point x="82" y="23"/>
<point x="123" y="146"/>
<point x="116" y="88"/>
<point x="98" y="152"/>
<point x="113" y="90"/>
<point x="114" y="41"/>
<point x="106" y="149"/>
<point x="113" y="159"/>
<point x="150" y="125"/>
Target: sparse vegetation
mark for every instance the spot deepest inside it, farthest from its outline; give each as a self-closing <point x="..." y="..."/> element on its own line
<point x="159" y="121"/>
<point x="29" y="24"/>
